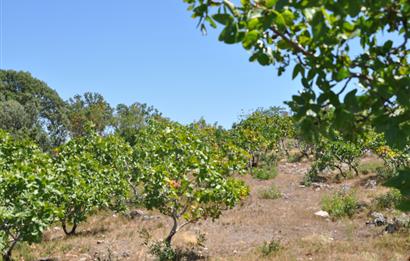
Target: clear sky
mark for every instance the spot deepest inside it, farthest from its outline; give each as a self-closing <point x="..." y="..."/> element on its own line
<point x="133" y="50"/>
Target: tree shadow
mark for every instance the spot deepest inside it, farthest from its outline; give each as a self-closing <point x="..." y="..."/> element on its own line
<point x="402" y="183"/>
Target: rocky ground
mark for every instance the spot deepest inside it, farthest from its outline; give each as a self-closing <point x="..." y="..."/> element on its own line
<point x="292" y="221"/>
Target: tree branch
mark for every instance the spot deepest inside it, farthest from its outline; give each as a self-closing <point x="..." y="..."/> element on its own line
<point x="296" y="46"/>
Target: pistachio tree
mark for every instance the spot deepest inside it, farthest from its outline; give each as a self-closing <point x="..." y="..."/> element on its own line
<point x="261" y="132"/>
<point x="91" y="174"/>
<point x="181" y="176"/>
<point x="26" y="190"/>
<point x="350" y="55"/>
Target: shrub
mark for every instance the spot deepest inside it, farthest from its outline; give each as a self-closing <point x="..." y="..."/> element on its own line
<point x="389" y="200"/>
<point x="370" y="167"/>
<point x="385" y="173"/>
<point x="340" y="204"/>
<point x="271" y="193"/>
<point x="265" y="173"/>
<point x="270" y="247"/>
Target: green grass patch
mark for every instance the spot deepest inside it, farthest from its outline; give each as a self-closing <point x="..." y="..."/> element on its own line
<point x="265" y="173"/>
<point x="340" y="204"/>
<point x="391" y="199"/>
<point x="270" y="247"/>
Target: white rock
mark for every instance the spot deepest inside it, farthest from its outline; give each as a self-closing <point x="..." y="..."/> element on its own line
<point x="322" y="213"/>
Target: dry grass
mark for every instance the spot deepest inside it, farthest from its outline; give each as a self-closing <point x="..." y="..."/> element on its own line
<point x="240" y="232"/>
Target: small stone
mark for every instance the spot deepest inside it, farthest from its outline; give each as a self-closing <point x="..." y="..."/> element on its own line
<point x="402" y="221"/>
<point x="99" y="242"/>
<point x="146" y="217"/>
<point x="391" y="228"/>
<point x="136" y="213"/>
<point x="322" y="213"/>
<point x="378" y="219"/>
<point x="370" y="184"/>
<point x="345" y="188"/>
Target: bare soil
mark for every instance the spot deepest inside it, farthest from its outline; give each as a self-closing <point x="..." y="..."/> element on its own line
<point x="240" y="232"/>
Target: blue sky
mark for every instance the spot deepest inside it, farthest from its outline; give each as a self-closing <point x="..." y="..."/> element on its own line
<point x="145" y="51"/>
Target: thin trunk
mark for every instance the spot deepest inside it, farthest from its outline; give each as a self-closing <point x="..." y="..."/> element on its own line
<point x="7" y="254"/>
<point x="173" y="231"/>
<point x="70" y="232"/>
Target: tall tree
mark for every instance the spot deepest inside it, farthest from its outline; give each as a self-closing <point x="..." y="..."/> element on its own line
<point x="29" y="108"/>
<point x="129" y="119"/>
<point x="351" y="55"/>
<point x="91" y="107"/>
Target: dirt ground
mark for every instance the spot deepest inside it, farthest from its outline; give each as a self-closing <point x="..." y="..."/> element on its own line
<point x="240" y="232"/>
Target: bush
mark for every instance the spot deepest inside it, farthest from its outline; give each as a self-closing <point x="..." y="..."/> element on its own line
<point x="389" y="200"/>
<point x="271" y="193"/>
<point x="385" y="173"/>
<point x="340" y="204"/>
<point x="270" y="247"/>
<point x="370" y="167"/>
<point x="265" y="173"/>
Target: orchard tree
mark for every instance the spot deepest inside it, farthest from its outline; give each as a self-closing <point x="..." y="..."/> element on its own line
<point x="91" y="107"/>
<point x="26" y="192"/>
<point x="222" y="145"/>
<point x="261" y="132"/>
<point x="337" y="153"/>
<point x="350" y="55"/>
<point x="31" y="109"/>
<point x="181" y="176"/>
<point x="91" y="174"/>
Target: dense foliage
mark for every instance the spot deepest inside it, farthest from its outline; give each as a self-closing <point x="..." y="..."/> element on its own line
<point x="26" y="187"/>
<point x="352" y="56"/>
<point x="92" y="172"/>
<point x="91" y="107"/>
<point x="182" y="176"/>
<point x="31" y="109"/>
<point x="261" y="133"/>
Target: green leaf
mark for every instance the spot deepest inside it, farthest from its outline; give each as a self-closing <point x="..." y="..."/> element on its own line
<point x="223" y="19"/>
<point x="250" y="39"/>
<point x="342" y="74"/>
<point x="298" y="69"/>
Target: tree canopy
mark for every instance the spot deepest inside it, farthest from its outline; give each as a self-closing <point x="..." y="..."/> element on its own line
<point x="90" y="107"/>
<point x="31" y="109"/>
<point x="352" y="57"/>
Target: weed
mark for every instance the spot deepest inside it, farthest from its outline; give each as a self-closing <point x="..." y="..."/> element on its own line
<point x="385" y="173"/>
<point x="340" y="204"/>
<point x="271" y="193"/>
<point x="265" y="173"/>
<point x="389" y="200"/>
<point x="270" y="247"/>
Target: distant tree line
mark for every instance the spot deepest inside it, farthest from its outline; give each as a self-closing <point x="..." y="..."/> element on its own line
<point x="29" y="108"/>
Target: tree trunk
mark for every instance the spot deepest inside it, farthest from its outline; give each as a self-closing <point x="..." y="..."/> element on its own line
<point x="6" y="257"/>
<point x="69" y="232"/>
<point x="7" y="254"/>
<point x="172" y="233"/>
